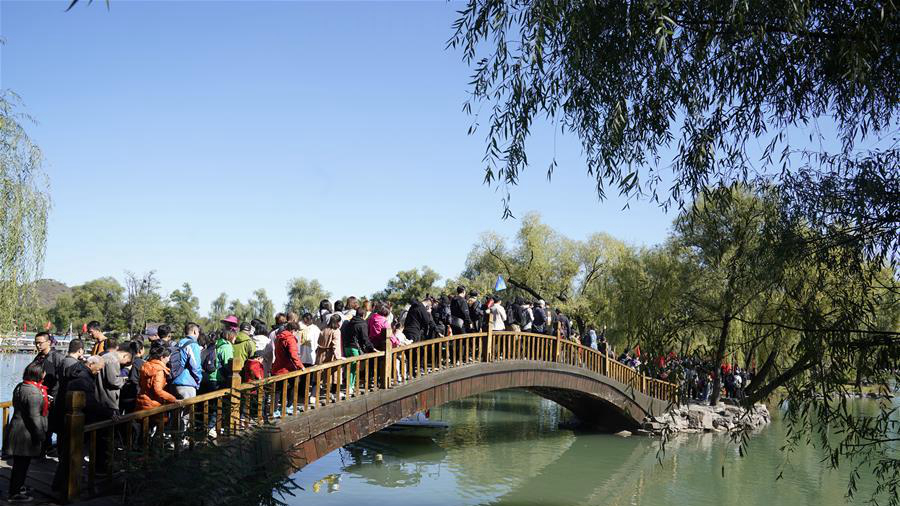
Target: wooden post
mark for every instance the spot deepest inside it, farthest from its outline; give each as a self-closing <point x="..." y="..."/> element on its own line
<point x="388" y="362"/>
<point x="488" y="350"/>
<point x="235" y="400"/>
<point x="72" y="456"/>
<point x="558" y="340"/>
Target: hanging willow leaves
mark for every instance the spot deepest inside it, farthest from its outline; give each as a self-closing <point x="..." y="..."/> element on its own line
<point x="24" y="204"/>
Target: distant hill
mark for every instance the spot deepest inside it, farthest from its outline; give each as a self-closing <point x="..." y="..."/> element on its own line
<point x="48" y="290"/>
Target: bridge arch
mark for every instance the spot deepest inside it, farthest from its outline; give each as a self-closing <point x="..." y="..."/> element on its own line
<point x="593" y="398"/>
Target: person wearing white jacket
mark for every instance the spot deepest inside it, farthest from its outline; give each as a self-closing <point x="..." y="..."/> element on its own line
<point x="498" y="314"/>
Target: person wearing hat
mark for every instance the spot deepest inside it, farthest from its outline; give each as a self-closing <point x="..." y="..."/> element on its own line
<point x="231" y="322"/>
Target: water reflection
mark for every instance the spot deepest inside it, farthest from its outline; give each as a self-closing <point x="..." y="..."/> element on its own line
<point x="390" y="461"/>
<point x="507" y="448"/>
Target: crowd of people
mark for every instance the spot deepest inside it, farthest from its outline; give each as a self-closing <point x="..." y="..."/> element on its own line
<point x="157" y="367"/>
<point x="696" y="377"/>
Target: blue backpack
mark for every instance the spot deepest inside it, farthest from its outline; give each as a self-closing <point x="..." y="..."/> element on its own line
<point x="181" y="359"/>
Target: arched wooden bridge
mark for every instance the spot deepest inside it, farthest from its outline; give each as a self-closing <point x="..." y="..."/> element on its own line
<point x="320" y="409"/>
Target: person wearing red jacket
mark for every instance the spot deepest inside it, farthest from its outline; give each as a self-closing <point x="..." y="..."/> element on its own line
<point x="253" y="368"/>
<point x="287" y="357"/>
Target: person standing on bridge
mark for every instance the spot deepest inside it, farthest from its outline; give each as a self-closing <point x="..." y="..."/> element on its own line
<point x="260" y="335"/>
<point x="498" y="315"/>
<point x="268" y="354"/>
<point x="516" y="315"/>
<point x="188" y="373"/>
<point x="309" y="340"/>
<point x="459" y="312"/>
<point x="476" y="314"/>
<point x="378" y="326"/>
<point x="153" y="379"/>
<point x="323" y="316"/>
<point x="164" y="333"/>
<point x="28" y="428"/>
<point x="110" y="380"/>
<point x="539" y="322"/>
<point x="224" y="359"/>
<point x="329" y="346"/>
<point x="355" y="335"/>
<point x="287" y="357"/>
<point x="565" y="328"/>
<point x="94" y="332"/>
<point x="50" y="360"/>
<point x="244" y="345"/>
<point x="350" y="308"/>
<point x="418" y="324"/>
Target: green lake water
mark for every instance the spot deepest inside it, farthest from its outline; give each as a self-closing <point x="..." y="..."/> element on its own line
<point x="514" y="448"/>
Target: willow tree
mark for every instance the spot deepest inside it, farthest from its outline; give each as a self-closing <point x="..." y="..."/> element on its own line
<point x="304" y="295"/>
<point x="410" y="284"/>
<point x="23" y="212"/>
<point x="672" y="99"/>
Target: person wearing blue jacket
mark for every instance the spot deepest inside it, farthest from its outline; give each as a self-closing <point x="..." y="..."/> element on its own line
<point x="189" y="369"/>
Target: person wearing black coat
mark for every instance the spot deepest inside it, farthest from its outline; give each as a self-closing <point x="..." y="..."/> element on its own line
<point x="80" y="378"/>
<point x="418" y="324"/>
<point x="50" y="360"/>
<point x="476" y="314"/>
<point x="355" y="335"/>
<point x="540" y="318"/>
<point x="516" y="315"/>
<point x="459" y="312"/>
<point x="564" y="325"/>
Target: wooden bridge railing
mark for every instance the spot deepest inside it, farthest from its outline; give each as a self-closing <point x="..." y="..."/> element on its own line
<point x="173" y="428"/>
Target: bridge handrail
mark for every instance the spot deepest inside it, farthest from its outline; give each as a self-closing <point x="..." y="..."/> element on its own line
<point x="238" y="406"/>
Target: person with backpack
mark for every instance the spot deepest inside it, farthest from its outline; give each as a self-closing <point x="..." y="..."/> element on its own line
<point x="440" y="312"/>
<point x="185" y="366"/>
<point x="224" y="358"/>
<point x="208" y="362"/>
<point x="244" y="346"/>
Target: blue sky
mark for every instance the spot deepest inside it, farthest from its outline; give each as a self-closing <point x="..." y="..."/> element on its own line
<point x="236" y="145"/>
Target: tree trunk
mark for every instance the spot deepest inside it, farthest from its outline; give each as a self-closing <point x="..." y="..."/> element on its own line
<point x="805" y="362"/>
<point x="762" y="373"/>
<point x="717" y="363"/>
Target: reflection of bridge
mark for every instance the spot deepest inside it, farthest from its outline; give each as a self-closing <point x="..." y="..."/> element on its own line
<point x="322" y="408"/>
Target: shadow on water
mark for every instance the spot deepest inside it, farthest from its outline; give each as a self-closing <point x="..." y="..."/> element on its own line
<point x="510" y="448"/>
<point x="393" y="462"/>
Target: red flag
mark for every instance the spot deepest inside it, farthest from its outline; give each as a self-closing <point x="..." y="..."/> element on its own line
<point x="637" y="351"/>
<point x="24" y="327"/>
<point x="84" y="328"/>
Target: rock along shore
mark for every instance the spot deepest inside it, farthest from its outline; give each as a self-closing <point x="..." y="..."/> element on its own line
<point x="696" y="418"/>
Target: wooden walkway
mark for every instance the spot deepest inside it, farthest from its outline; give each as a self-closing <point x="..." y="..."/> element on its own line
<point x="40" y="478"/>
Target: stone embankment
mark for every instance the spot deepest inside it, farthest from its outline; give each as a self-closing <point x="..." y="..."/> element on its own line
<point x="695" y="418"/>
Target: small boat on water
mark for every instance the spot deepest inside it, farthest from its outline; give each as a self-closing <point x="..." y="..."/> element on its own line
<point x="417" y="425"/>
